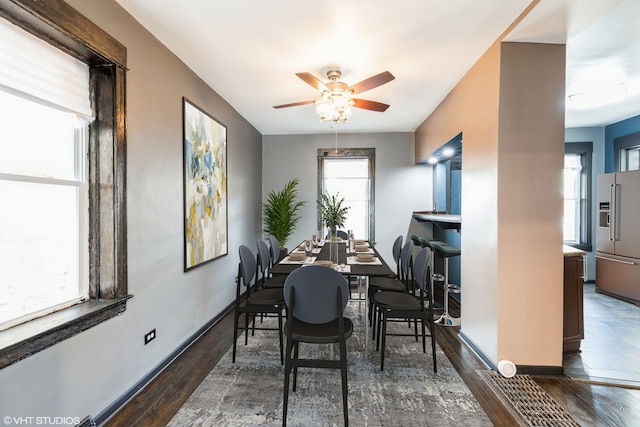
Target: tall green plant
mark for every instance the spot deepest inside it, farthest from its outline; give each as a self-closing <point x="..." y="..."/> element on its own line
<point x="280" y="212"/>
<point x="331" y="210"/>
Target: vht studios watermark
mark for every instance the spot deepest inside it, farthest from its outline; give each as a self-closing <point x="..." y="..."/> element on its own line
<point x="41" y="421"/>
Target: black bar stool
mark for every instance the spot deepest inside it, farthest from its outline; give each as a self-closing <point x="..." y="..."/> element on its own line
<point x="446" y="251"/>
<point x="427" y="243"/>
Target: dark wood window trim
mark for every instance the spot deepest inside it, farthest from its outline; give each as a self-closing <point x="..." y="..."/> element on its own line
<point x="59" y="24"/>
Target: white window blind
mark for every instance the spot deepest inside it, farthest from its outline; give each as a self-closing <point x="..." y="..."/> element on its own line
<point x="63" y="83"/>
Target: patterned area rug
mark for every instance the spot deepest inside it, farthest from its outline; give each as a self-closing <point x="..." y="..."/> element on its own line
<point x="407" y="393"/>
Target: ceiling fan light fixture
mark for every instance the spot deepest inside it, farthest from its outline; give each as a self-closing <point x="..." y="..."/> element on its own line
<point x="334" y="106"/>
<point x="337" y="98"/>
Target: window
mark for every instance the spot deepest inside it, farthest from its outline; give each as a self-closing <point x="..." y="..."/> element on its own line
<point x="43" y="252"/>
<point x="577" y="195"/>
<point x="630" y="159"/>
<point x="349" y="173"/>
<point x="105" y="264"/>
<point x="626" y="152"/>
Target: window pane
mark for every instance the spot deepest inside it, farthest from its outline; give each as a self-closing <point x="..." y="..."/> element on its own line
<point x="632" y="158"/>
<point x="349" y="178"/>
<point x="572" y="197"/>
<point x="39" y="247"/>
<point x="346" y="168"/>
<point x="570" y="225"/>
<point x="35" y="140"/>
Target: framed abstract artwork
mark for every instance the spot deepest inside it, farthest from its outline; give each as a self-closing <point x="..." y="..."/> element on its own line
<point x="205" y="186"/>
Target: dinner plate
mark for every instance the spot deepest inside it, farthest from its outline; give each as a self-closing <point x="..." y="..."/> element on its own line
<point x="297" y="256"/>
<point x="362" y="248"/>
<point x="365" y="257"/>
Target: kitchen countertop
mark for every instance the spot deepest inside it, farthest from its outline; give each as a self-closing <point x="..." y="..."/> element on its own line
<point x="441" y="219"/>
<point x="569" y="251"/>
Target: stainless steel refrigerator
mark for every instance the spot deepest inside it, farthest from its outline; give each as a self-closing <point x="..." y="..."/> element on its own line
<point x="618" y="235"/>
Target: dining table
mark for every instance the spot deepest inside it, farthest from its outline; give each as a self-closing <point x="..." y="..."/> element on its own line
<point x="348" y="264"/>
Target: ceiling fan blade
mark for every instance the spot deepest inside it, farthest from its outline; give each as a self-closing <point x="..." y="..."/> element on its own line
<point x="372" y="82"/>
<point x="312" y="81"/>
<point x="370" y="105"/>
<point x="294" y="104"/>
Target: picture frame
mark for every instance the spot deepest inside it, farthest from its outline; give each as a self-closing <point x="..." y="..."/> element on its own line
<point x="205" y="186"/>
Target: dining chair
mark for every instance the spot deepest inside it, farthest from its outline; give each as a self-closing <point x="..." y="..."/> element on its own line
<point x="274" y="249"/>
<point x="315" y="298"/>
<point x="402" y="306"/>
<point x="391" y="283"/>
<point x="403" y="283"/>
<point x="265" y="279"/>
<point x="256" y="301"/>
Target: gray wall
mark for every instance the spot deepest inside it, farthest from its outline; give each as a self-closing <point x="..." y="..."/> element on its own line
<point x="87" y="373"/>
<point x="401" y="186"/>
<point x="595" y="135"/>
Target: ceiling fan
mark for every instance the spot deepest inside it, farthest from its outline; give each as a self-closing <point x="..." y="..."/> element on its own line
<point x="336" y="97"/>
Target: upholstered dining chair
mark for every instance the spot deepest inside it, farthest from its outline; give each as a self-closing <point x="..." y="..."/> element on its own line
<point x="265" y="279"/>
<point x="256" y="302"/>
<point x="315" y="299"/>
<point x="274" y="249"/>
<point x="403" y="283"/>
<point x="401" y="306"/>
<point x="393" y="283"/>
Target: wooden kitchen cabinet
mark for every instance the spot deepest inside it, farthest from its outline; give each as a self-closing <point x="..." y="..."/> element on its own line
<point x="573" y="330"/>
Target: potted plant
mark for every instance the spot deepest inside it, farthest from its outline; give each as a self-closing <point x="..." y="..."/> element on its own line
<point x="333" y="212"/>
<point x="280" y="213"/>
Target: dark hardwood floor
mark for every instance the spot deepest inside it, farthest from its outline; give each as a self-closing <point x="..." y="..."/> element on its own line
<point x="591" y="404"/>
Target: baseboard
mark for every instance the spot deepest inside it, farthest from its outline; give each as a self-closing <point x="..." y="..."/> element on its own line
<point x="477" y="351"/>
<point x="547" y="371"/>
<point x="521" y="369"/>
<point x="112" y="409"/>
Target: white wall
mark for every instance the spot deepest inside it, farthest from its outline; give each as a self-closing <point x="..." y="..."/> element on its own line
<point x="595" y="135"/>
<point x="87" y="373"/>
<point x="401" y="186"/>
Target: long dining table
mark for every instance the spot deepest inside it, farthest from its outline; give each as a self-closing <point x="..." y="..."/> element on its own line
<point x="352" y="266"/>
<point x="347" y="264"/>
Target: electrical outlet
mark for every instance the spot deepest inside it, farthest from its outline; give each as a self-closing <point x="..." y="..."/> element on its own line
<point x="149" y="336"/>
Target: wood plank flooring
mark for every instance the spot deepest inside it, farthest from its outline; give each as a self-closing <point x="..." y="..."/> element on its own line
<point x="590" y="404"/>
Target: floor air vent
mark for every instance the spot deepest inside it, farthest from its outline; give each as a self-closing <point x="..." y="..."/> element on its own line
<point x="87" y="422"/>
<point x="533" y="405"/>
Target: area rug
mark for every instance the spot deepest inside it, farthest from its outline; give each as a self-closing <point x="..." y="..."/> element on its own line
<point x="407" y="393"/>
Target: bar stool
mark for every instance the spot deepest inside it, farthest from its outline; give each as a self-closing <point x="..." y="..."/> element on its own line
<point x="446" y="251"/>
<point x="427" y="243"/>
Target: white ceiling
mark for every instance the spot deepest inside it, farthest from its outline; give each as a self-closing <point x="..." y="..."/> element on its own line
<point x="249" y="51"/>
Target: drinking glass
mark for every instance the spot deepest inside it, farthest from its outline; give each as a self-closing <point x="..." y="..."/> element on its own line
<point x="308" y="247"/>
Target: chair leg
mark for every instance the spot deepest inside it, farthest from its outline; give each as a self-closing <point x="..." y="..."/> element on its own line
<point x="287" y="374"/>
<point x="383" y="314"/>
<point x="345" y="389"/>
<point x="424" y="342"/>
<point x="235" y="335"/>
<point x="295" y="368"/>
<point x="280" y="336"/>
<point x="379" y="316"/>
<point x="248" y="318"/>
<point x="433" y="336"/>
